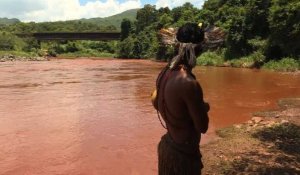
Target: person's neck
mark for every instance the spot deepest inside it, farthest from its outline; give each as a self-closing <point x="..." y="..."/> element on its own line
<point x="188" y="70"/>
<point x="185" y="67"/>
<point x="182" y="67"/>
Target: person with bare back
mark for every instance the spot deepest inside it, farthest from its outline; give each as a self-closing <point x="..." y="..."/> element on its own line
<point x="179" y="100"/>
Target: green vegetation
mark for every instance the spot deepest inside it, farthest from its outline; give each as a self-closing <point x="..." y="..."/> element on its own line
<point x="254" y="60"/>
<point x="114" y="20"/>
<point x="210" y="59"/>
<point x="285" y="64"/>
<point x="6" y="21"/>
<point x="81" y="48"/>
<point x="18" y="53"/>
<point x="87" y="54"/>
<point x="143" y="41"/>
<point x="10" y="42"/>
<point x="259" y="33"/>
<point x="217" y="58"/>
<point x="61" y="26"/>
<point x="111" y="23"/>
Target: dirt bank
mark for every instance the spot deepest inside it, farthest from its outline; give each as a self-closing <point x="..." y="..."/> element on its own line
<point x="4" y="58"/>
<point x="269" y="143"/>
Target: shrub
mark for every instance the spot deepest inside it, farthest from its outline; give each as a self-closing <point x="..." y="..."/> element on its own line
<point x="258" y="44"/>
<point x="210" y="59"/>
<point x="9" y="41"/>
<point x="255" y="59"/>
<point x="52" y="52"/>
<point x="285" y="64"/>
<point x="88" y="53"/>
<point x="31" y="45"/>
<point x="71" y="47"/>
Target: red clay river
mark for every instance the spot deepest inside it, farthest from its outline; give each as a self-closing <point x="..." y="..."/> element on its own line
<point x="94" y="117"/>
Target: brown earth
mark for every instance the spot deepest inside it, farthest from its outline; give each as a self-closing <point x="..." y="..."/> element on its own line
<point x="9" y="57"/>
<point x="269" y="143"/>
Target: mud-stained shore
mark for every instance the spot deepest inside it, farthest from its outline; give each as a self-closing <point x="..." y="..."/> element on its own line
<point x="269" y="143"/>
<point x="4" y="58"/>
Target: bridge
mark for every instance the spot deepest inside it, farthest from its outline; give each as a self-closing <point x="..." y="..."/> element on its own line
<point x="96" y="36"/>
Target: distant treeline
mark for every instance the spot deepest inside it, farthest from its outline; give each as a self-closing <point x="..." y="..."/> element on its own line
<point x="10" y="42"/>
<point x="271" y="27"/>
<point x="257" y="32"/>
<point x="6" y="21"/>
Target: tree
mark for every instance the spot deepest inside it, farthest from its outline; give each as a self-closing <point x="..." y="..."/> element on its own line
<point x="164" y="20"/>
<point x="145" y="17"/>
<point x="125" y="48"/>
<point x="284" y="20"/>
<point x="236" y="41"/>
<point x="9" y="41"/>
<point x="164" y="10"/>
<point x="126" y="28"/>
<point x="185" y="13"/>
<point x="110" y="28"/>
<point x="257" y="18"/>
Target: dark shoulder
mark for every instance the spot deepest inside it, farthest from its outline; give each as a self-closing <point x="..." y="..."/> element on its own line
<point x="189" y="78"/>
<point x="190" y="84"/>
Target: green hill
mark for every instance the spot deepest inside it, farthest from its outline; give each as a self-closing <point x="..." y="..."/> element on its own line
<point x="6" y="21"/>
<point x="111" y="23"/>
<point x="114" y="20"/>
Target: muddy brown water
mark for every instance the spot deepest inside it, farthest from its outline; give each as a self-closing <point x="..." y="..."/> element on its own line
<point x="95" y="117"/>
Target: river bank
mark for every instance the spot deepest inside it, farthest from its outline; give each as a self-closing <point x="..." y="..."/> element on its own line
<point x="5" y="58"/>
<point x="254" y="61"/>
<point x="269" y="143"/>
<point x="21" y="56"/>
<point x="24" y="56"/>
<point x="10" y="57"/>
<point x="206" y="59"/>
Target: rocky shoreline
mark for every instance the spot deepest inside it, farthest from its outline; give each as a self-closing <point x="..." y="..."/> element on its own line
<point x="5" y="58"/>
<point x="269" y="143"/>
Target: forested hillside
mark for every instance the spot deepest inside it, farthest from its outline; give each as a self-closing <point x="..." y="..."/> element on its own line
<point x="10" y="42"/>
<point x="258" y="31"/>
<point x="114" y="20"/>
<point x="6" y="21"/>
<point x="111" y="23"/>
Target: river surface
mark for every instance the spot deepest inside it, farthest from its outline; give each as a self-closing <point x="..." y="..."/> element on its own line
<point x="95" y="116"/>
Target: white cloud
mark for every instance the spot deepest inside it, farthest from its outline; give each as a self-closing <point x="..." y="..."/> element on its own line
<point x="54" y="10"/>
<point x="176" y="3"/>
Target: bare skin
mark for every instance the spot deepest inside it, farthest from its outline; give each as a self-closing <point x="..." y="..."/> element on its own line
<point x="183" y="108"/>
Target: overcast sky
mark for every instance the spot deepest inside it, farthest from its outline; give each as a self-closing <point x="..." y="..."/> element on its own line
<point x="55" y="10"/>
